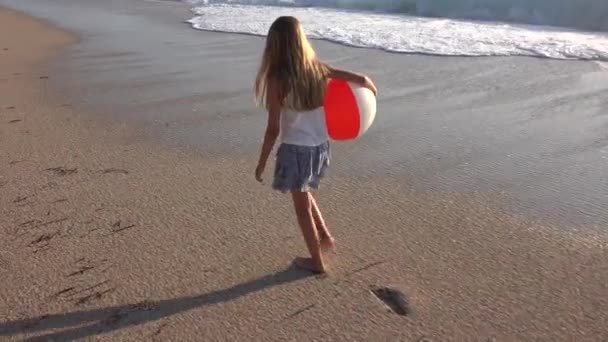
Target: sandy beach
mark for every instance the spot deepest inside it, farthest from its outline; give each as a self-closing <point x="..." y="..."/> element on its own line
<point x="129" y="211"/>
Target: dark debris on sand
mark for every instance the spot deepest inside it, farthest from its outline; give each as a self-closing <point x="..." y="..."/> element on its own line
<point x="62" y="171"/>
<point x="114" y="170"/>
<point x="396" y="300"/>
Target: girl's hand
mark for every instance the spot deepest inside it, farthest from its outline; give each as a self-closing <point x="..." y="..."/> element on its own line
<point x="350" y="76"/>
<point x="259" y="171"/>
<point x="273" y="127"/>
<point x="367" y="83"/>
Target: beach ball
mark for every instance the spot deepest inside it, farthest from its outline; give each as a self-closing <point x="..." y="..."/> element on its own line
<point x="349" y="110"/>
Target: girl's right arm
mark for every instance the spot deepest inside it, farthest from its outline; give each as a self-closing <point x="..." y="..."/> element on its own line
<point x="273" y="128"/>
<point x="350" y="76"/>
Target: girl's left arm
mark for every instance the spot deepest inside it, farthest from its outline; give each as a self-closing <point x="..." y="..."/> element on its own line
<point x="273" y="128"/>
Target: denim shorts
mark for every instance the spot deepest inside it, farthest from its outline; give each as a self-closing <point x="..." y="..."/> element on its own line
<point x="300" y="168"/>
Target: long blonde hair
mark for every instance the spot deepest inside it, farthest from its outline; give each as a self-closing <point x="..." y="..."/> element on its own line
<point x="290" y="59"/>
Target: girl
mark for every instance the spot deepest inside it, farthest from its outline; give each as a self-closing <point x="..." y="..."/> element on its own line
<point x="292" y="83"/>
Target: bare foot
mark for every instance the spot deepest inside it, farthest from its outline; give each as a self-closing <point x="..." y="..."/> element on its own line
<point x="328" y="244"/>
<point x="309" y="265"/>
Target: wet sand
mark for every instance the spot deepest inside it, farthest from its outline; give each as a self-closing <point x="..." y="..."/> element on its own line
<point x="532" y="130"/>
<point x="129" y="210"/>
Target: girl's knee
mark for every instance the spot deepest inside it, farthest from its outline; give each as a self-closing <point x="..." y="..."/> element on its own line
<point x="301" y="200"/>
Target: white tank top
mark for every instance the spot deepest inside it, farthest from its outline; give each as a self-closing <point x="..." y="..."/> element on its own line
<point x="304" y="128"/>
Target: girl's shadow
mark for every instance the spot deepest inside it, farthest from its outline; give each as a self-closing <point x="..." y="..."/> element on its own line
<point x="103" y="320"/>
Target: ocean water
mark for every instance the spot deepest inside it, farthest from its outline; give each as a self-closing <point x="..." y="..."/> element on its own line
<point x="439" y="27"/>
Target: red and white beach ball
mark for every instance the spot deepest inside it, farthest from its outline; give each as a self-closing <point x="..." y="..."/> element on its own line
<point x="349" y="110"/>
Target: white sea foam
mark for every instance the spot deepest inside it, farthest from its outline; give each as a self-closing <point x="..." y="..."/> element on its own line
<point x="582" y="14"/>
<point x="410" y="34"/>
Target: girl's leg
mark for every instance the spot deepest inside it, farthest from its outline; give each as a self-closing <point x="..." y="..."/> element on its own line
<point x="327" y="241"/>
<point x="304" y="211"/>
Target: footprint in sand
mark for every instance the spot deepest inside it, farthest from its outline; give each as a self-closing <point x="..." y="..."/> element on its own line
<point x="15" y="121"/>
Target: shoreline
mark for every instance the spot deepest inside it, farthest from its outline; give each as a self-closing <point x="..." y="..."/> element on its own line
<point x="107" y="234"/>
